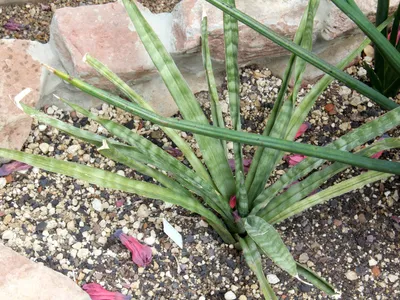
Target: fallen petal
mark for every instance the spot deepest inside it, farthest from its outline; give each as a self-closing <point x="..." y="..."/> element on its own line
<point x="14" y="166"/>
<point x="13" y="26"/>
<point x="97" y="292"/>
<point x="294" y="159"/>
<point x="303" y="128"/>
<point x="141" y="254"/>
<point x="232" y="201"/>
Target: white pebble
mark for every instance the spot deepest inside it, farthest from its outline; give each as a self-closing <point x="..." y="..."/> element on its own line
<point x="83" y="253"/>
<point x="150" y="240"/>
<point x="44" y="147"/>
<point x="143" y="211"/>
<point x="372" y="262"/>
<point x="393" y="278"/>
<point x="73" y="149"/>
<point x="8" y="235"/>
<point x="97" y="205"/>
<point x="230" y="295"/>
<point x="42" y="127"/>
<point x="351" y="275"/>
<point x="3" y="182"/>
<point x="272" y="279"/>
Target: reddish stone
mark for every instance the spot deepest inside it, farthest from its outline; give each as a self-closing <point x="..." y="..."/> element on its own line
<point x="22" y="279"/>
<point x="18" y="70"/>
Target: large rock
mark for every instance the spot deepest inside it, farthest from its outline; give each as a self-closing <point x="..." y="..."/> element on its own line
<point x="106" y="32"/>
<point x="22" y="279"/>
<point x="19" y="70"/>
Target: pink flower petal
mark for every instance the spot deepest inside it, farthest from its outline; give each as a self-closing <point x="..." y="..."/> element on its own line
<point x="232" y="201"/>
<point x="377" y="155"/>
<point x="294" y="159"/>
<point x="141" y="254"/>
<point x="303" y="128"/>
<point x="97" y="292"/>
<point x="14" y="166"/>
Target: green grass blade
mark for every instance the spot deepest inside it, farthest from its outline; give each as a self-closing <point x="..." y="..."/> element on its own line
<point x="306" y="55"/>
<point x="135" y="97"/>
<point x="329" y="193"/>
<point x="243" y="137"/>
<point x="304" y="188"/>
<point x="231" y="37"/>
<point x="347" y="142"/>
<point x="395" y="27"/>
<point x="114" y="181"/>
<point x="386" y="49"/>
<point x="270" y="243"/>
<point x="213" y="152"/>
<point x="317" y="281"/>
<point x="216" y="112"/>
<point x="253" y="260"/>
<point x="309" y="100"/>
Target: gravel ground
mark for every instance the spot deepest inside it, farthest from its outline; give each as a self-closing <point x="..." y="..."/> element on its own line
<point x="35" y="18"/>
<point x="351" y="240"/>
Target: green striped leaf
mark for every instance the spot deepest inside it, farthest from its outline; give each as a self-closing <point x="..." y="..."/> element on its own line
<point x="270" y="243"/>
<point x="302" y="189"/>
<point x="162" y="159"/>
<point x="306" y="55"/>
<point x="309" y="100"/>
<point x="241" y="137"/>
<point x="114" y="181"/>
<point x="133" y="96"/>
<point x="265" y="160"/>
<point x="329" y="193"/>
<point x="213" y="152"/>
<point x="231" y="37"/>
<point x="216" y="112"/>
<point x="317" y="281"/>
<point x="347" y="142"/>
<point x="253" y="260"/>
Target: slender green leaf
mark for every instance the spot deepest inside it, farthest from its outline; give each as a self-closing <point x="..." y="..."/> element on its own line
<point x="382" y="13"/>
<point x="309" y="100"/>
<point x="241" y="137"/>
<point x="317" y="281"/>
<point x="162" y="159"/>
<point x="347" y="142"/>
<point x="114" y="181"/>
<point x="213" y="152"/>
<point x="271" y="244"/>
<point x="132" y="95"/>
<point x="278" y="102"/>
<point x="329" y="193"/>
<point x="253" y="260"/>
<point x="306" y="55"/>
<point x="302" y="189"/>
<point x="231" y="36"/>
<point x="387" y="50"/>
<point x="216" y="112"/>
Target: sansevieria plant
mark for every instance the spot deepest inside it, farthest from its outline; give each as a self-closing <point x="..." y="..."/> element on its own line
<point x="239" y="206"/>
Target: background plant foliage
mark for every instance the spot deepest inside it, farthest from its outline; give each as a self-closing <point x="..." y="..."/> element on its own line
<point x="248" y="223"/>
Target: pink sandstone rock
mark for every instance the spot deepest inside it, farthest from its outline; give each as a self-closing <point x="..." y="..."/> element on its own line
<point x="18" y="71"/>
<point x="106" y="32"/>
<point x="22" y="279"/>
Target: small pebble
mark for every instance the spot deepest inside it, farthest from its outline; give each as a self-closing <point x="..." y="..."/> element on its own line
<point x="351" y="275"/>
<point x="230" y="295"/>
<point x="272" y="279"/>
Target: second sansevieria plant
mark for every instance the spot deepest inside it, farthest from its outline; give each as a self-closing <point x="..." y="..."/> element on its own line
<point x="238" y="205"/>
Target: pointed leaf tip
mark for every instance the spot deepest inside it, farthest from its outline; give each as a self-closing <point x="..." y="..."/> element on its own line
<point x="21" y="95"/>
